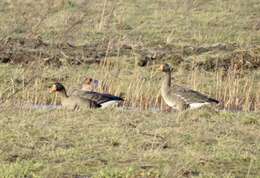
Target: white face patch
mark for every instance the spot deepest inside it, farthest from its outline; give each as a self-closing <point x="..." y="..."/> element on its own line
<point x="197" y="105"/>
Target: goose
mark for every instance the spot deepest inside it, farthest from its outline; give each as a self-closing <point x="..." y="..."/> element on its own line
<point x="179" y="97"/>
<point x="74" y="102"/>
<point x="90" y="84"/>
<point x="103" y="99"/>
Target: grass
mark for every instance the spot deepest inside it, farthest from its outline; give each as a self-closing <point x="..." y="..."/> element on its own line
<point x="149" y="142"/>
<point x="190" y="22"/>
<point x="62" y="143"/>
<point x="139" y="86"/>
<point x="118" y="142"/>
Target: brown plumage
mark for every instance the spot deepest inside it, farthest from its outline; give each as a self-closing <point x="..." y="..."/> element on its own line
<point x="180" y="97"/>
<point x="90" y="84"/>
<point x="88" y="91"/>
<point x="103" y="99"/>
<point x="75" y="101"/>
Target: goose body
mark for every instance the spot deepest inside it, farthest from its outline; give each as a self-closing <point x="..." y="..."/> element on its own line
<point x="103" y="99"/>
<point x="74" y="102"/>
<point x="180" y="97"/>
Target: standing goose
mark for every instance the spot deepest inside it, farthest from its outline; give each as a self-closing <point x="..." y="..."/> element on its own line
<point x="73" y="102"/>
<point x="179" y="97"/>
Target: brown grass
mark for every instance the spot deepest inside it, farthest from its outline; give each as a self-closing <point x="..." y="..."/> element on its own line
<point x="142" y="139"/>
<point x="139" y="86"/>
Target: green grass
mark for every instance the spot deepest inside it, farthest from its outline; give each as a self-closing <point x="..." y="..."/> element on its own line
<point x="56" y="143"/>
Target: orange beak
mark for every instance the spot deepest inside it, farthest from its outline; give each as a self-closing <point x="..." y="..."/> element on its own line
<point x="161" y="67"/>
<point x="52" y="89"/>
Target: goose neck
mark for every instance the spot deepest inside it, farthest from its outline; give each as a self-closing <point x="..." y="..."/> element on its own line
<point x="167" y="80"/>
<point x="64" y="94"/>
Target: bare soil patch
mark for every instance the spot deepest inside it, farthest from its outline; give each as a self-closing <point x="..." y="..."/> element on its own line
<point x="212" y="57"/>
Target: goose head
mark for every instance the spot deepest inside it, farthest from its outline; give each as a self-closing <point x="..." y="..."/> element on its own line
<point x="88" y="80"/>
<point x="165" y="67"/>
<point x="89" y="84"/>
<point x="57" y="87"/>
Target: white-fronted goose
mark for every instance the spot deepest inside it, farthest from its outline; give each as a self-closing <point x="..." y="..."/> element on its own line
<point x="179" y="97"/>
<point x="90" y="84"/>
<point x="75" y="101"/>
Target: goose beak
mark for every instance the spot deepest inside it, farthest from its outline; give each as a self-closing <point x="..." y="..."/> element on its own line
<point x="161" y="67"/>
<point x="52" y="89"/>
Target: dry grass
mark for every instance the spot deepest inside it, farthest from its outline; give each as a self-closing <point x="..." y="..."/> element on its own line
<point x="139" y="86"/>
<point x="114" y="143"/>
<point x="237" y="90"/>
<point x="119" y="142"/>
<point x="178" y="22"/>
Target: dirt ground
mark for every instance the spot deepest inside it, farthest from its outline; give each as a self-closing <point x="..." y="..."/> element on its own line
<point x="224" y="56"/>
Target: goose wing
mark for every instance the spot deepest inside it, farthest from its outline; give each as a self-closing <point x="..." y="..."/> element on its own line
<point x="99" y="98"/>
<point x="191" y="96"/>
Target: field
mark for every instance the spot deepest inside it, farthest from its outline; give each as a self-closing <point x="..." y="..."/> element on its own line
<point x="213" y="46"/>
